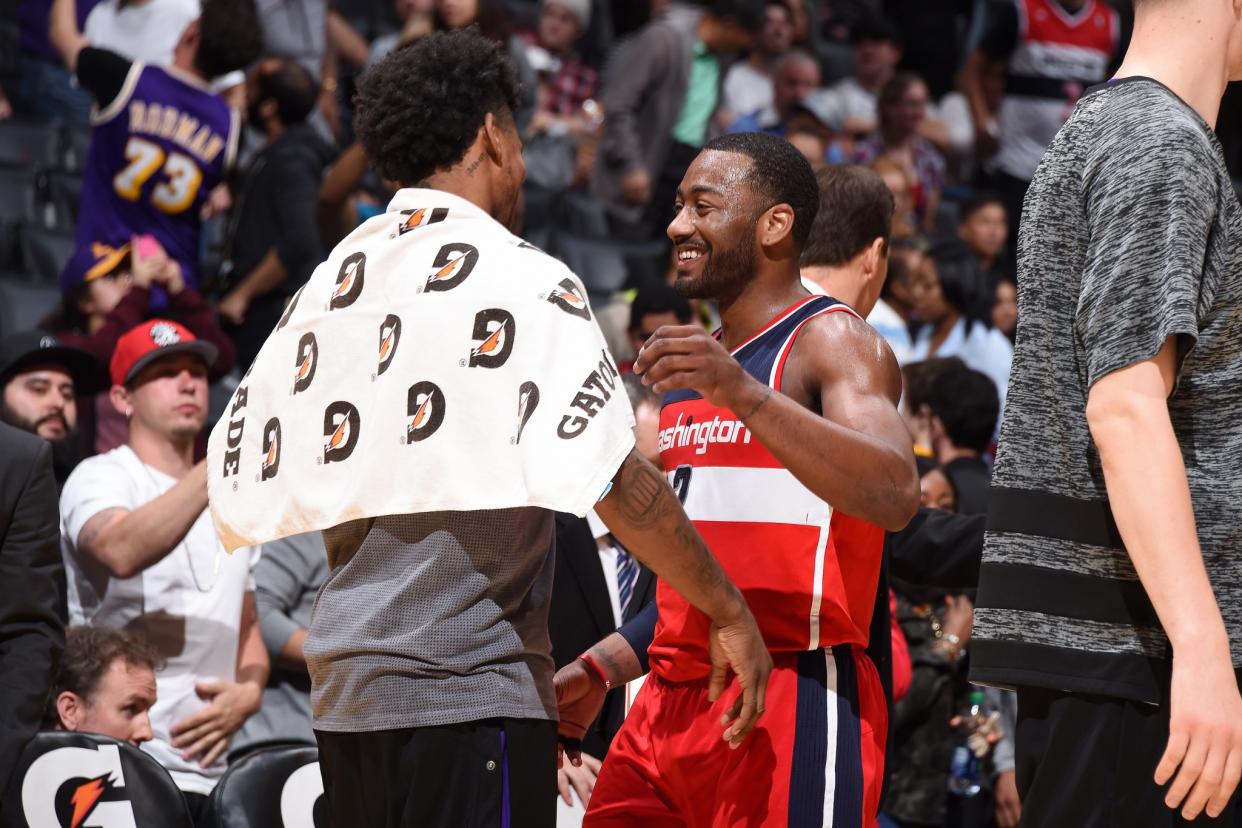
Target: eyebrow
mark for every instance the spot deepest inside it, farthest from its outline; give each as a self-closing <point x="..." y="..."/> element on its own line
<point x="703" y="188"/>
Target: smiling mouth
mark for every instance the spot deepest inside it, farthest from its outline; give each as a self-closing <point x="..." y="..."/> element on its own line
<point x="689" y="255"/>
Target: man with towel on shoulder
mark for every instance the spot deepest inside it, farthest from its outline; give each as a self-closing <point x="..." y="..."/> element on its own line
<point x="431" y="395"/>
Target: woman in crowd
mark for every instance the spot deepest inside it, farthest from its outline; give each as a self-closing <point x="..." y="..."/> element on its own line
<point x="490" y="17"/>
<point x="902" y="108"/>
<point x="952" y="303"/>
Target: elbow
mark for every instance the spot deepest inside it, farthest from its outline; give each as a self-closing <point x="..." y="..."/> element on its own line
<point x="118" y="567"/>
<point x="904" y="495"/>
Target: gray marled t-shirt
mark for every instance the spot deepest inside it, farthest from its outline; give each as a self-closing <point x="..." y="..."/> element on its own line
<point x="431" y="619"/>
<point x="1131" y="233"/>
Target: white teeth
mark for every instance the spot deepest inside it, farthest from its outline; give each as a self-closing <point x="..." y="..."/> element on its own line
<point x="687" y="255"/>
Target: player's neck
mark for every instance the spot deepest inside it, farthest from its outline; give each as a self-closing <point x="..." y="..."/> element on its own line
<point x="1184" y="49"/>
<point x="759" y="301"/>
<point x="459" y="182"/>
<point x="841" y="283"/>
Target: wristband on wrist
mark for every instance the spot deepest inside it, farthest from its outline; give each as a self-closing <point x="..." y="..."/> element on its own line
<point x="594" y="668"/>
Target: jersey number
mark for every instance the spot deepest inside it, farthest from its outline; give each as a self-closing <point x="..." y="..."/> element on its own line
<point x="181" y="176"/>
<point x="681" y="482"/>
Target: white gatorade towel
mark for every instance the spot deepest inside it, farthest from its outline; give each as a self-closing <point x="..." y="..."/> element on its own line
<point x="434" y="362"/>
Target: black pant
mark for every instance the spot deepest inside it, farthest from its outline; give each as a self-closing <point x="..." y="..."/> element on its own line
<point x="1087" y="761"/>
<point x="495" y="773"/>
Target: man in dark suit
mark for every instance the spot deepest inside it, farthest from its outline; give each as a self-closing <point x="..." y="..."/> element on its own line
<point x="597" y="587"/>
<point x="32" y="590"/>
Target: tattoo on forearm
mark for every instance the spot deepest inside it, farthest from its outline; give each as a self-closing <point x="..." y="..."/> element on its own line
<point x="646" y="498"/>
<point x="90" y="532"/>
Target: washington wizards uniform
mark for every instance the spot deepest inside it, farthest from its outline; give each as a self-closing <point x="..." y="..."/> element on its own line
<point x="809" y="575"/>
<point x="157" y="151"/>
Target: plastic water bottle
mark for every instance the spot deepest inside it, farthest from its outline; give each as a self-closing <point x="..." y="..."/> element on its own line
<point x="965" y="778"/>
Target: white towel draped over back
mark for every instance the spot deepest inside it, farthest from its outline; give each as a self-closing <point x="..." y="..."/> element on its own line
<point x="434" y="362"/>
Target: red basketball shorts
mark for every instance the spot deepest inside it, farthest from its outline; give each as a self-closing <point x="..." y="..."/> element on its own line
<point x="816" y="757"/>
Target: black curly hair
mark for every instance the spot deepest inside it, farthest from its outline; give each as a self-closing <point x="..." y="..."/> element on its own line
<point x="778" y="173"/>
<point x="231" y="37"/>
<point x="418" y="110"/>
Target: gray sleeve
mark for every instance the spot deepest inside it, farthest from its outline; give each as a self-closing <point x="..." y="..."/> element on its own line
<point x="634" y="68"/>
<point x="286" y="570"/>
<point x="1150" y="197"/>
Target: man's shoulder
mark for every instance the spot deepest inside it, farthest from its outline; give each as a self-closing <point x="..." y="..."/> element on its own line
<point x="1139" y="112"/>
<point x="116" y="464"/>
<point x="19" y="447"/>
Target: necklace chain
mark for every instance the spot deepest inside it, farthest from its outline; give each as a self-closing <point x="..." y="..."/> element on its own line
<point x="182" y="544"/>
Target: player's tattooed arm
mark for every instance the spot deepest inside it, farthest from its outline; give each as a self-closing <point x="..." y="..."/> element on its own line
<point x="643" y="512"/>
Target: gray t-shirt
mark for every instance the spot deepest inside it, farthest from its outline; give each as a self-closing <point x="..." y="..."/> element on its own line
<point x="1130" y="235"/>
<point x="431" y="619"/>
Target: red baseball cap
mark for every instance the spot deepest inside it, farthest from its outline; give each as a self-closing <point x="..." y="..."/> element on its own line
<point x="152" y="340"/>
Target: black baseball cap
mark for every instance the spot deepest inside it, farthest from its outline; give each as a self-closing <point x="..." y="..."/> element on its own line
<point x="27" y="348"/>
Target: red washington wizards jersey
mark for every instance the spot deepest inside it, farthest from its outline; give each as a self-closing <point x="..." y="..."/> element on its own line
<point x="808" y="572"/>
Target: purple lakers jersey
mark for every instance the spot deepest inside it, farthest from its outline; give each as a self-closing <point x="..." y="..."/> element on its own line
<point x="157" y="151"/>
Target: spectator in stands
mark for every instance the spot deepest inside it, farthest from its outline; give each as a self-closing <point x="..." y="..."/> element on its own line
<point x="274" y="242"/>
<point x="984" y="227"/>
<point x="560" y="141"/>
<point x="105" y="684"/>
<point x="951" y="300"/>
<point x="40" y="378"/>
<point x="796" y="76"/>
<point x="902" y="111"/>
<point x="877" y="51"/>
<point x="417" y="21"/>
<point x="105" y="292"/>
<point x="45" y="88"/>
<point x="936" y="490"/>
<point x="140" y="30"/>
<point x="299" y="29"/>
<point x="904" y="260"/>
<point x="490" y="17"/>
<point x="964" y="412"/>
<point x="660" y="90"/>
<point x="141" y="553"/>
<point x="162" y="141"/>
<point x="748" y="83"/>
<point x="918" y="379"/>
<point x="1005" y="309"/>
<point x="287" y="579"/>
<point x="656" y="304"/>
<point x="32" y="604"/>
<point x="1053" y="50"/>
<point x="901" y="184"/>
<point x="846" y="254"/>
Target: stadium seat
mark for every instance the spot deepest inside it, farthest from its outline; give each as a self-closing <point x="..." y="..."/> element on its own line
<point x="84" y="779"/>
<point x="17" y="193"/>
<point x="24" y="304"/>
<point x="29" y="144"/>
<point x="273" y="788"/>
<point x="65" y="191"/>
<point x="75" y="141"/>
<point x="44" y="253"/>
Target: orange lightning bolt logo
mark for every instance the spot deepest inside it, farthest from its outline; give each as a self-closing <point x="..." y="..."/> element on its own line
<point x="85" y="798"/>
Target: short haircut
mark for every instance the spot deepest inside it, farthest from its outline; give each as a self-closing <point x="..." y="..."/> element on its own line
<point x="875" y="29"/>
<point x="962" y="280"/>
<point x="658" y="297"/>
<point x="966" y="402"/>
<point x="855" y="209"/>
<point x="977" y="202"/>
<point x="793" y="56"/>
<point x="638" y="393"/>
<point x="291" y="86"/>
<point x="419" y="109"/>
<point x="898" y="271"/>
<point x="749" y="14"/>
<point x="88" y="655"/>
<point x="779" y="173"/>
<point x="231" y="37"/>
<point x="920" y="379"/>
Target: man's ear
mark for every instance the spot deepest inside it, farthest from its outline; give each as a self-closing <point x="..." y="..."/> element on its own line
<point x="118" y="395"/>
<point x="492" y="137"/>
<point x="873" y="256"/>
<point x="777" y="225"/>
<point x="71" y="710"/>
